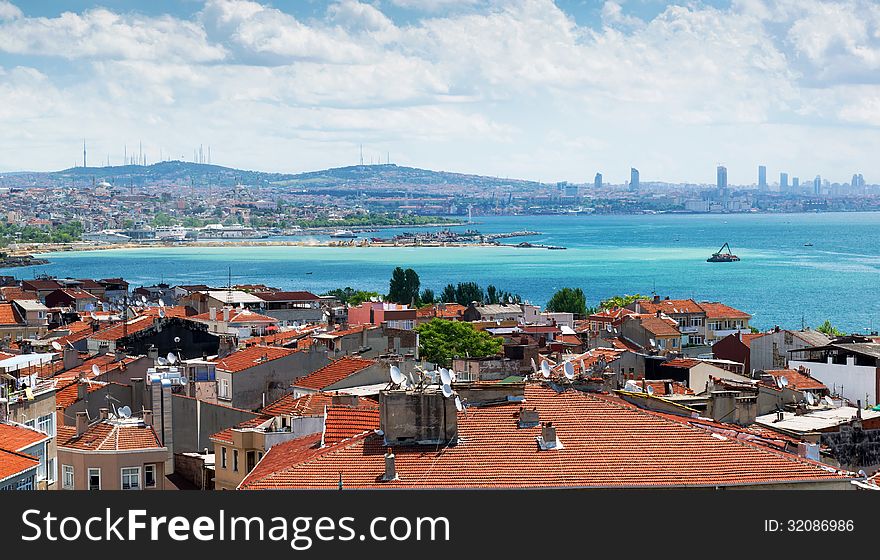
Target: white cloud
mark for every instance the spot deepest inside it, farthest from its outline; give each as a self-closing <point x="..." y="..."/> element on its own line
<point x="8" y="10"/>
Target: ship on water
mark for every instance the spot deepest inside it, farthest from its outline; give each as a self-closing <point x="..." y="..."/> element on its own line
<point x="721" y="256"/>
<point x="343" y="234"/>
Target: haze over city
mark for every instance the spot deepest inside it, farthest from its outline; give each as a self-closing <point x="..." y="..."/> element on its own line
<point x="525" y="88"/>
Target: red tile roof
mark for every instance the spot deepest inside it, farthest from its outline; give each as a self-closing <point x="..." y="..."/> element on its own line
<point x="17" y="438"/>
<point x="8" y="316"/>
<point x="116" y="331"/>
<point x="252" y="356"/>
<point x="113" y="436"/>
<point x="69" y="394"/>
<point x="333" y="373"/>
<point x="659" y="326"/>
<point x="13" y="293"/>
<point x="606" y="444"/>
<point x="685" y="363"/>
<point x="352" y="330"/>
<point x="308" y="405"/>
<point x="671" y="306"/>
<point x="799" y="381"/>
<point x="715" y="310"/>
<point x="344" y="422"/>
<point x="13" y="463"/>
<point x="76" y="293"/>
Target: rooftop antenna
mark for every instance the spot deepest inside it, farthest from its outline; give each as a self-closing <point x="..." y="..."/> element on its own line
<point x="445" y="377"/>
<point x="362" y="154"/>
<point x="172" y="359"/>
<point x="568" y="369"/>
<point x="650" y="390"/>
<point x="545" y="369"/>
<point x="447" y="390"/>
<point x="124" y="412"/>
<point x="811" y="400"/>
<point x="84" y="153"/>
<point x="96" y="371"/>
<point x="783" y="380"/>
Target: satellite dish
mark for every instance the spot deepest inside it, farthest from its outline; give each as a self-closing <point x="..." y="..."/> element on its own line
<point x="396" y="376"/>
<point x="124" y="412"/>
<point x="653" y="342"/>
<point x="453" y="375"/>
<point x="447" y="390"/>
<point x="583" y="368"/>
<point x="509" y="299"/>
<point x="96" y="370"/>
<point x="162" y="313"/>
<point x="650" y="390"/>
<point x="183" y="380"/>
<point x="827" y="400"/>
<point x="458" y="406"/>
<point x="93" y="316"/>
<point x="143" y="300"/>
<point x="161" y="302"/>
<point x="545" y="369"/>
<point x="176" y="339"/>
<point x="534" y="366"/>
<point x="632" y="386"/>
<point x="172" y="359"/>
<point x="568" y="369"/>
<point x="161" y="361"/>
<point x="105" y="307"/>
<point x="811" y="400"/>
<point x="445" y="378"/>
<point x="374" y="299"/>
<point x="56" y="346"/>
<point x="779" y="382"/>
<point x="784" y="380"/>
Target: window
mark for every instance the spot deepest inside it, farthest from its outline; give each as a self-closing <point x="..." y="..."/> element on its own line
<point x="94" y="479"/>
<point x="223" y="457"/>
<point x="31" y="424"/>
<point x="46" y="424"/>
<point x="251" y="460"/>
<point x="131" y="478"/>
<point x="50" y="470"/>
<point x="67" y="477"/>
<point x="223" y="390"/>
<point x="25" y="484"/>
<point x="150" y="476"/>
<point x="235" y="460"/>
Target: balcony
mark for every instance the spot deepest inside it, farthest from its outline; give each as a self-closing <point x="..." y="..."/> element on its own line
<point x="722" y="333"/>
<point x="690" y="329"/>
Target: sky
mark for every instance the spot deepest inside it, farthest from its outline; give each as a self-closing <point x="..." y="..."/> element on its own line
<point x="529" y="89"/>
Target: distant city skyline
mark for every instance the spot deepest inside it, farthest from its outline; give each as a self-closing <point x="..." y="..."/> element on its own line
<point x="530" y="89"/>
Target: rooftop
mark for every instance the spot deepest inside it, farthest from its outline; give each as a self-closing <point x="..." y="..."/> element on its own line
<point x="15" y="437"/>
<point x="252" y="356"/>
<point x="111" y="435"/>
<point x="607" y="443"/>
<point x="333" y="373"/>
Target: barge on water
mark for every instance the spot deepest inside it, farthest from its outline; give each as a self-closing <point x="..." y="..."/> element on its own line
<point x="721" y="256"/>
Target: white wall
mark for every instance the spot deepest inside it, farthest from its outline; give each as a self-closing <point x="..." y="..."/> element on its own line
<point x="855" y="381"/>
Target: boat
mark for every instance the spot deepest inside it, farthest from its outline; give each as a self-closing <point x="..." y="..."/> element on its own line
<point x="343" y="234"/>
<point x="721" y="256"/>
<point x="171" y="233"/>
<point x="808" y="244"/>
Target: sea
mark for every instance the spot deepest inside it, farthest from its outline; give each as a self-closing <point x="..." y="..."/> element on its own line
<point x="796" y="270"/>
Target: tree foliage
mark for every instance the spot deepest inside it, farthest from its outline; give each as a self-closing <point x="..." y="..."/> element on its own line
<point x="404" y="286"/>
<point x="441" y="340"/>
<point x="620" y="301"/>
<point x="351" y="296"/>
<point x="428" y="296"/>
<point x="829" y="329"/>
<point x="464" y="293"/>
<point x="568" y="300"/>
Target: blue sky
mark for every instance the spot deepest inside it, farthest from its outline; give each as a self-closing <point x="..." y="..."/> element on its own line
<point x="531" y="89"/>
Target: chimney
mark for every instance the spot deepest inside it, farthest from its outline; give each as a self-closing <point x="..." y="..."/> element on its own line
<point x="226" y="314"/>
<point x="104" y="413"/>
<point x="148" y="418"/>
<point x="71" y="358"/>
<point x="81" y="390"/>
<point x="528" y="418"/>
<point x="548" y="435"/>
<point x="656" y="298"/>
<point x="82" y="422"/>
<point x="390" y="467"/>
<point x="119" y="354"/>
<point x="212" y="314"/>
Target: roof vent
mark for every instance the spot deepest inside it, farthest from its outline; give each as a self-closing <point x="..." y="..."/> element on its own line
<point x="528" y="418"/>
<point x="547" y="440"/>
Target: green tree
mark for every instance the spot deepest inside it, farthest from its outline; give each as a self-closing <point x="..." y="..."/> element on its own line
<point x="441" y="340"/>
<point x="411" y="287"/>
<point x="428" y="296"/>
<point x="568" y="300"/>
<point x="467" y="292"/>
<point x="448" y="294"/>
<point x="620" y="301"/>
<point x="829" y="329"/>
<point x="351" y="296"/>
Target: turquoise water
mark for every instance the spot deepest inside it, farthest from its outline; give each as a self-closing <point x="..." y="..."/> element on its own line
<point x="778" y="281"/>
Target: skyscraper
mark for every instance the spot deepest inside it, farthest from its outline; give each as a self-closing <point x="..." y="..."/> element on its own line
<point x="817" y="185"/>
<point x="633" y="179"/>
<point x="597" y="182"/>
<point x="721" y="181"/>
<point x="783" y="182"/>
<point x="795" y="183"/>
<point x="762" y="177"/>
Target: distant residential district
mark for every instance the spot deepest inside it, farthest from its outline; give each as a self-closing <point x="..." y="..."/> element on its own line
<point x="108" y="386"/>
